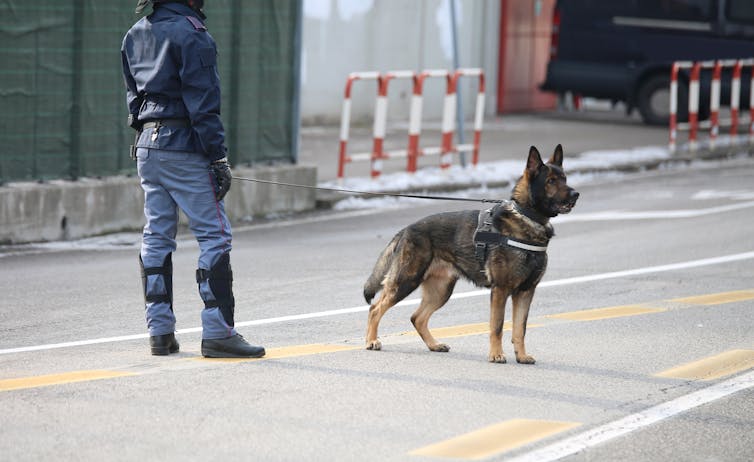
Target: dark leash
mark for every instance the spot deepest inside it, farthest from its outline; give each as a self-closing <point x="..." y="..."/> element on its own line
<point x="484" y="235"/>
<point x="371" y="193"/>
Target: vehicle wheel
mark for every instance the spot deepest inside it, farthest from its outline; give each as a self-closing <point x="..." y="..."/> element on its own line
<point x="653" y="100"/>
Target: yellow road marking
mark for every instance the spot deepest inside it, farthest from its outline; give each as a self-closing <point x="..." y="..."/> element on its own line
<point x="57" y="379"/>
<point x="288" y="352"/>
<point x="464" y="330"/>
<point x="606" y="313"/>
<point x="461" y="330"/>
<point x="713" y="367"/>
<point x="494" y="439"/>
<point x="85" y="376"/>
<point x="717" y="299"/>
<point x="442" y="332"/>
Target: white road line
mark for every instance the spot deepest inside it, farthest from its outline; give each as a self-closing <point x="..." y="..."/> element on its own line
<point x="409" y="302"/>
<point x="651" y="269"/>
<point x="615" y="274"/>
<point x="620" y="215"/>
<point x="633" y="422"/>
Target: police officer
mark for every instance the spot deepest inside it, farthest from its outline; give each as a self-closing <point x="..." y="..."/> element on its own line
<point x="173" y="95"/>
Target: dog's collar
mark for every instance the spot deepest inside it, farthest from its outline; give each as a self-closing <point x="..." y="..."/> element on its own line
<point x="529" y="212"/>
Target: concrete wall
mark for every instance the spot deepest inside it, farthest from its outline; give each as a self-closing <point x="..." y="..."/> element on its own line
<point x="344" y="36"/>
<point x="62" y="210"/>
<point x="249" y="199"/>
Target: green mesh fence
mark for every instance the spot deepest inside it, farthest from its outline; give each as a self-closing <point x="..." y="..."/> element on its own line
<point x="62" y="97"/>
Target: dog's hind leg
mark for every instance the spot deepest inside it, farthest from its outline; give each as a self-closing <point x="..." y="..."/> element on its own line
<point x="498" y="297"/>
<point x="410" y="262"/>
<point x="391" y="294"/>
<point x="376" y="311"/>
<point x="436" y="291"/>
<point x="521" y="304"/>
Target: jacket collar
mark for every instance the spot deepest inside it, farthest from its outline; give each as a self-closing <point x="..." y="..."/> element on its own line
<point x="178" y="8"/>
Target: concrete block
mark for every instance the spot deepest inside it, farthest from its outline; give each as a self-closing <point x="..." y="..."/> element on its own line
<point x="62" y="210"/>
<point x="65" y="210"/>
<point x="248" y="199"/>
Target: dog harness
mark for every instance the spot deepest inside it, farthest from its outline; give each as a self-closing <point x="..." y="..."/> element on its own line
<point x="487" y="234"/>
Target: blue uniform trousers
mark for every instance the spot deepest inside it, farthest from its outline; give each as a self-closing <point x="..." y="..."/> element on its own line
<point x="173" y="180"/>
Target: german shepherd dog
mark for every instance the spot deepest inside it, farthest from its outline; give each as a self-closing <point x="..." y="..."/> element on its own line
<point x="436" y="251"/>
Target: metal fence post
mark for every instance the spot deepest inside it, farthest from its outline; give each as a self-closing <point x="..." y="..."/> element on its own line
<point x="76" y="75"/>
<point x="235" y="71"/>
<point x="296" y="93"/>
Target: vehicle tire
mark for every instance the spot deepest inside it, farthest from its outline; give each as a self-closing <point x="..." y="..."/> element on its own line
<point x="653" y="100"/>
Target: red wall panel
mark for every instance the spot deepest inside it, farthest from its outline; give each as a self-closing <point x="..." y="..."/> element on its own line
<point x="525" y="28"/>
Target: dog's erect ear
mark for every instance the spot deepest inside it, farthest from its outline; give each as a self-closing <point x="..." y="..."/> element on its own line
<point x="557" y="156"/>
<point x="534" y="162"/>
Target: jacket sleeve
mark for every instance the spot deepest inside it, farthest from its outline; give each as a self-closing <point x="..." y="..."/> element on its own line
<point x="200" y="90"/>
<point x="132" y="96"/>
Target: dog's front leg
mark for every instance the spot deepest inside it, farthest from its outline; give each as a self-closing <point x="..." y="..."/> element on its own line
<point x="498" y="297"/>
<point x="521" y="304"/>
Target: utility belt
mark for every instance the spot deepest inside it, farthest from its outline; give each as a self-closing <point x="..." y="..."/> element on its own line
<point x="156" y="124"/>
<point x="170" y="123"/>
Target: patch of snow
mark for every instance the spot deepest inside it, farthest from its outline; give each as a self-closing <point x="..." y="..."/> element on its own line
<point x="500" y="172"/>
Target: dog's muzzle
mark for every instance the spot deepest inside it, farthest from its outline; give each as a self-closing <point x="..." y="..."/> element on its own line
<point x="570" y="202"/>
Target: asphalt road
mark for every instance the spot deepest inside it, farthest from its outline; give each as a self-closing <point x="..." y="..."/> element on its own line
<point x="650" y="272"/>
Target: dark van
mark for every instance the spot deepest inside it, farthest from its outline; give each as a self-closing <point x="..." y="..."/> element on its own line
<point x="622" y="50"/>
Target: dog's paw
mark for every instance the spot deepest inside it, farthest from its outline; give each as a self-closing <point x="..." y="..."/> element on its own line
<point x="441" y="347"/>
<point x="497" y="358"/>
<point x="374" y="345"/>
<point x="525" y="359"/>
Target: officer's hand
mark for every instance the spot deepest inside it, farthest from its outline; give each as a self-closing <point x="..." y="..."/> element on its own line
<point x="221" y="170"/>
<point x="134" y="122"/>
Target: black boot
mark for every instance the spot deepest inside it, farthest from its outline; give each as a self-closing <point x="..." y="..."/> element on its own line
<point x="231" y="347"/>
<point x="163" y="344"/>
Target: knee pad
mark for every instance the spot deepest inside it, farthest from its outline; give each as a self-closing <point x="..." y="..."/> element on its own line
<point x="220" y="279"/>
<point x="166" y="271"/>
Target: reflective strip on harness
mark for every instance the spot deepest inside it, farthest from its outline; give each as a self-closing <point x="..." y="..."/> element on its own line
<point x="494" y="237"/>
<point x="521" y="245"/>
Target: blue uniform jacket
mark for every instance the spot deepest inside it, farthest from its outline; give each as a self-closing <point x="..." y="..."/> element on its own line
<point x="170" y="70"/>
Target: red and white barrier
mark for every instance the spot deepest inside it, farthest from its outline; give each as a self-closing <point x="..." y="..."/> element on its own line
<point x="693" y="125"/>
<point x="413" y="151"/>
<point x="345" y="117"/>
<point x="449" y="118"/>
<point x="673" y="124"/>
<point x="415" y="118"/>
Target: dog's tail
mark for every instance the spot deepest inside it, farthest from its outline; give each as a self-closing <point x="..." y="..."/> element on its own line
<point x="374" y="283"/>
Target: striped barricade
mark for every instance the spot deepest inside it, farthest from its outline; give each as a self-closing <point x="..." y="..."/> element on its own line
<point x="693" y="125"/>
<point x="414" y="150"/>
